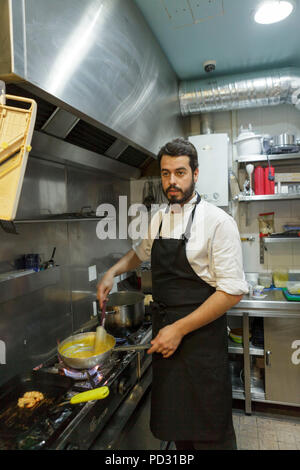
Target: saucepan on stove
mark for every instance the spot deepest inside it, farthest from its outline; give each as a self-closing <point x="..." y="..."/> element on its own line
<point x="125" y="312"/>
<point x="77" y="351"/>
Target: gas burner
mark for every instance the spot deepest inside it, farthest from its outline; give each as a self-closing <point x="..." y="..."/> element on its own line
<point x="93" y="375"/>
<point x="89" y="378"/>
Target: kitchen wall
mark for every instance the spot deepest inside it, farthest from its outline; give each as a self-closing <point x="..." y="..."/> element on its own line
<point x="272" y="121"/>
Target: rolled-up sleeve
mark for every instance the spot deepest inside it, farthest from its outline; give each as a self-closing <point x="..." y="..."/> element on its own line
<point x="227" y="259"/>
<point x="143" y="249"/>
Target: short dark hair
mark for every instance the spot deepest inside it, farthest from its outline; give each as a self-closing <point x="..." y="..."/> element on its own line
<point x="179" y="147"/>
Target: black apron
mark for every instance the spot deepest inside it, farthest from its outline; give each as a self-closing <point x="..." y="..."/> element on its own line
<point x="191" y="390"/>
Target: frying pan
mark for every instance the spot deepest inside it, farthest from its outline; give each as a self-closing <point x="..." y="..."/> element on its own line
<point x="93" y="360"/>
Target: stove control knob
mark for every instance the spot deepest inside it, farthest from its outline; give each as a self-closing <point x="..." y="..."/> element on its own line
<point x="123" y="386"/>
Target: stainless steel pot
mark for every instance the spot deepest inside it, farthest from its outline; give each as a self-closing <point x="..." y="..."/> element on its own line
<point x="125" y="312"/>
<point x="85" y="342"/>
<point x="283" y="140"/>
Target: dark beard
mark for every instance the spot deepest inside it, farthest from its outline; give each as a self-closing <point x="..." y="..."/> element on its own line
<point x="186" y="195"/>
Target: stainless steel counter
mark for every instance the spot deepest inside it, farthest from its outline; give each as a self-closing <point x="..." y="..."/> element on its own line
<point x="273" y="305"/>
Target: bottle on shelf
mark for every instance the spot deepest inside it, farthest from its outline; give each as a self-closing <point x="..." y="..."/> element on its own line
<point x="259" y="180"/>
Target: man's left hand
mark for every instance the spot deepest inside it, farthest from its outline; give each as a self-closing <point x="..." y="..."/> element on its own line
<point x="166" y="341"/>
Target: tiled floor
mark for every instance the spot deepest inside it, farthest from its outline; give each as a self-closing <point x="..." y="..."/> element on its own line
<point x="264" y="429"/>
<point x="266" y="433"/>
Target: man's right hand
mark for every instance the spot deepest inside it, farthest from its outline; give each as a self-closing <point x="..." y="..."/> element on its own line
<point x="126" y="263"/>
<point x="104" y="287"/>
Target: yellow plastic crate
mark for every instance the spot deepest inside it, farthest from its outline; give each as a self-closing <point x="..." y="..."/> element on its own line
<point x="16" y="130"/>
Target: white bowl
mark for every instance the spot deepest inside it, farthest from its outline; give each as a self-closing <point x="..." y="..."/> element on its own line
<point x="293" y="287"/>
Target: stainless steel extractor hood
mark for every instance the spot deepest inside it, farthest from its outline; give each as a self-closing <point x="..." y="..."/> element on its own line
<point x="98" y="64"/>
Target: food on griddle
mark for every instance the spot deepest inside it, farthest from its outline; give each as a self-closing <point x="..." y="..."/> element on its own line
<point x="30" y="399"/>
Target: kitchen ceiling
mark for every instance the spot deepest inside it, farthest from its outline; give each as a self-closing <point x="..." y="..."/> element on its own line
<point x="191" y="32"/>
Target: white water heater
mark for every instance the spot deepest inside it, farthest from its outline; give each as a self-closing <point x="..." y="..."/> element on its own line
<point x="212" y="182"/>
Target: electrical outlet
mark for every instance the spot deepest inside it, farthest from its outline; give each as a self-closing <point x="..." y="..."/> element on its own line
<point x="92" y="273"/>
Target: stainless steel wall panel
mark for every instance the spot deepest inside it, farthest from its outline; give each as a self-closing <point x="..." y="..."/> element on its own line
<point x="31" y="326"/>
<point x="43" y="191"/>
<point x="87" y="188"/>
<point x="87" y="250"/>
<point x="85" y="247"/>
<point x="33" y="321"/>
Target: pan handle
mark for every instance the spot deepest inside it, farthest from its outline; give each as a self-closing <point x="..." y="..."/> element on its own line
<point x="134" y="347"/>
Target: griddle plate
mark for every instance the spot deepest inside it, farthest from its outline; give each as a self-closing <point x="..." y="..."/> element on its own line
<point x="22" y="428"/>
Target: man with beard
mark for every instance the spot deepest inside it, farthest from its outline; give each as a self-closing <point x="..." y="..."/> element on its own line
<point x="197" y="276"/>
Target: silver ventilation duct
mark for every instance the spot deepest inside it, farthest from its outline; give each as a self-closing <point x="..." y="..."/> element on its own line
<point x="228" y="93"/>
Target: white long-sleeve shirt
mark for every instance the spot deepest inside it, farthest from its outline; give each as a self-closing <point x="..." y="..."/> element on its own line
<point x="214" y="249"/>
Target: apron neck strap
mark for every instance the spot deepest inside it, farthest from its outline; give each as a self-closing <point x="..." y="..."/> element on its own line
<point x="186" y="235"/>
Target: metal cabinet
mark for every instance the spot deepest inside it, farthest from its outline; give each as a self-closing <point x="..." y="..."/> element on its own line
<point x="282" y="360"/>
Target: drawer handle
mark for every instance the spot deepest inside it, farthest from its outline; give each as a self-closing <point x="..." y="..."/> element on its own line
<point x="268" y="358"/>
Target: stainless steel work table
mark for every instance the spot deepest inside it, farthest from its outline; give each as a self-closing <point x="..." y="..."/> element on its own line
<point x="273" y="305"/>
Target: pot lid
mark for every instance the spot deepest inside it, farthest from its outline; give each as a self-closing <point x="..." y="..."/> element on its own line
<point x="246" y="134"/>
<point x="243" y="137"/>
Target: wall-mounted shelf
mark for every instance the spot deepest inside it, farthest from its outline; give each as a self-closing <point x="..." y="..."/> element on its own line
<point x="235" y="348"/>
<point x="271" y="240"/>
<point x="257" y="393"/>
<point x="268" y="240"/>
<point x="264" y="158"/>
<point x="283" y="157"/>
<point x="16" y="284"/>
<point x="268" y="197"/>
<point x="75" y="219"/>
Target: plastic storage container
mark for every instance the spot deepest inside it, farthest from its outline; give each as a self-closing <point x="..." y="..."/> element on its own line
<point x="280" y="277"/>
<point x="265" y="279"/>
<point x="293" y="287"/>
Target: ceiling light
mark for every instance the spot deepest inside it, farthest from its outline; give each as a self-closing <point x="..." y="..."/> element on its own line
<point x="272" y="11"/>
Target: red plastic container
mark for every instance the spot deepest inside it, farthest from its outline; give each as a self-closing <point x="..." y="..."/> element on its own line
<point x="259" y="180"/>
<point x="269" y="185"/>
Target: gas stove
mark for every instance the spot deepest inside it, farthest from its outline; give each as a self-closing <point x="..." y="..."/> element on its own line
<point x="128" y="376"/>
